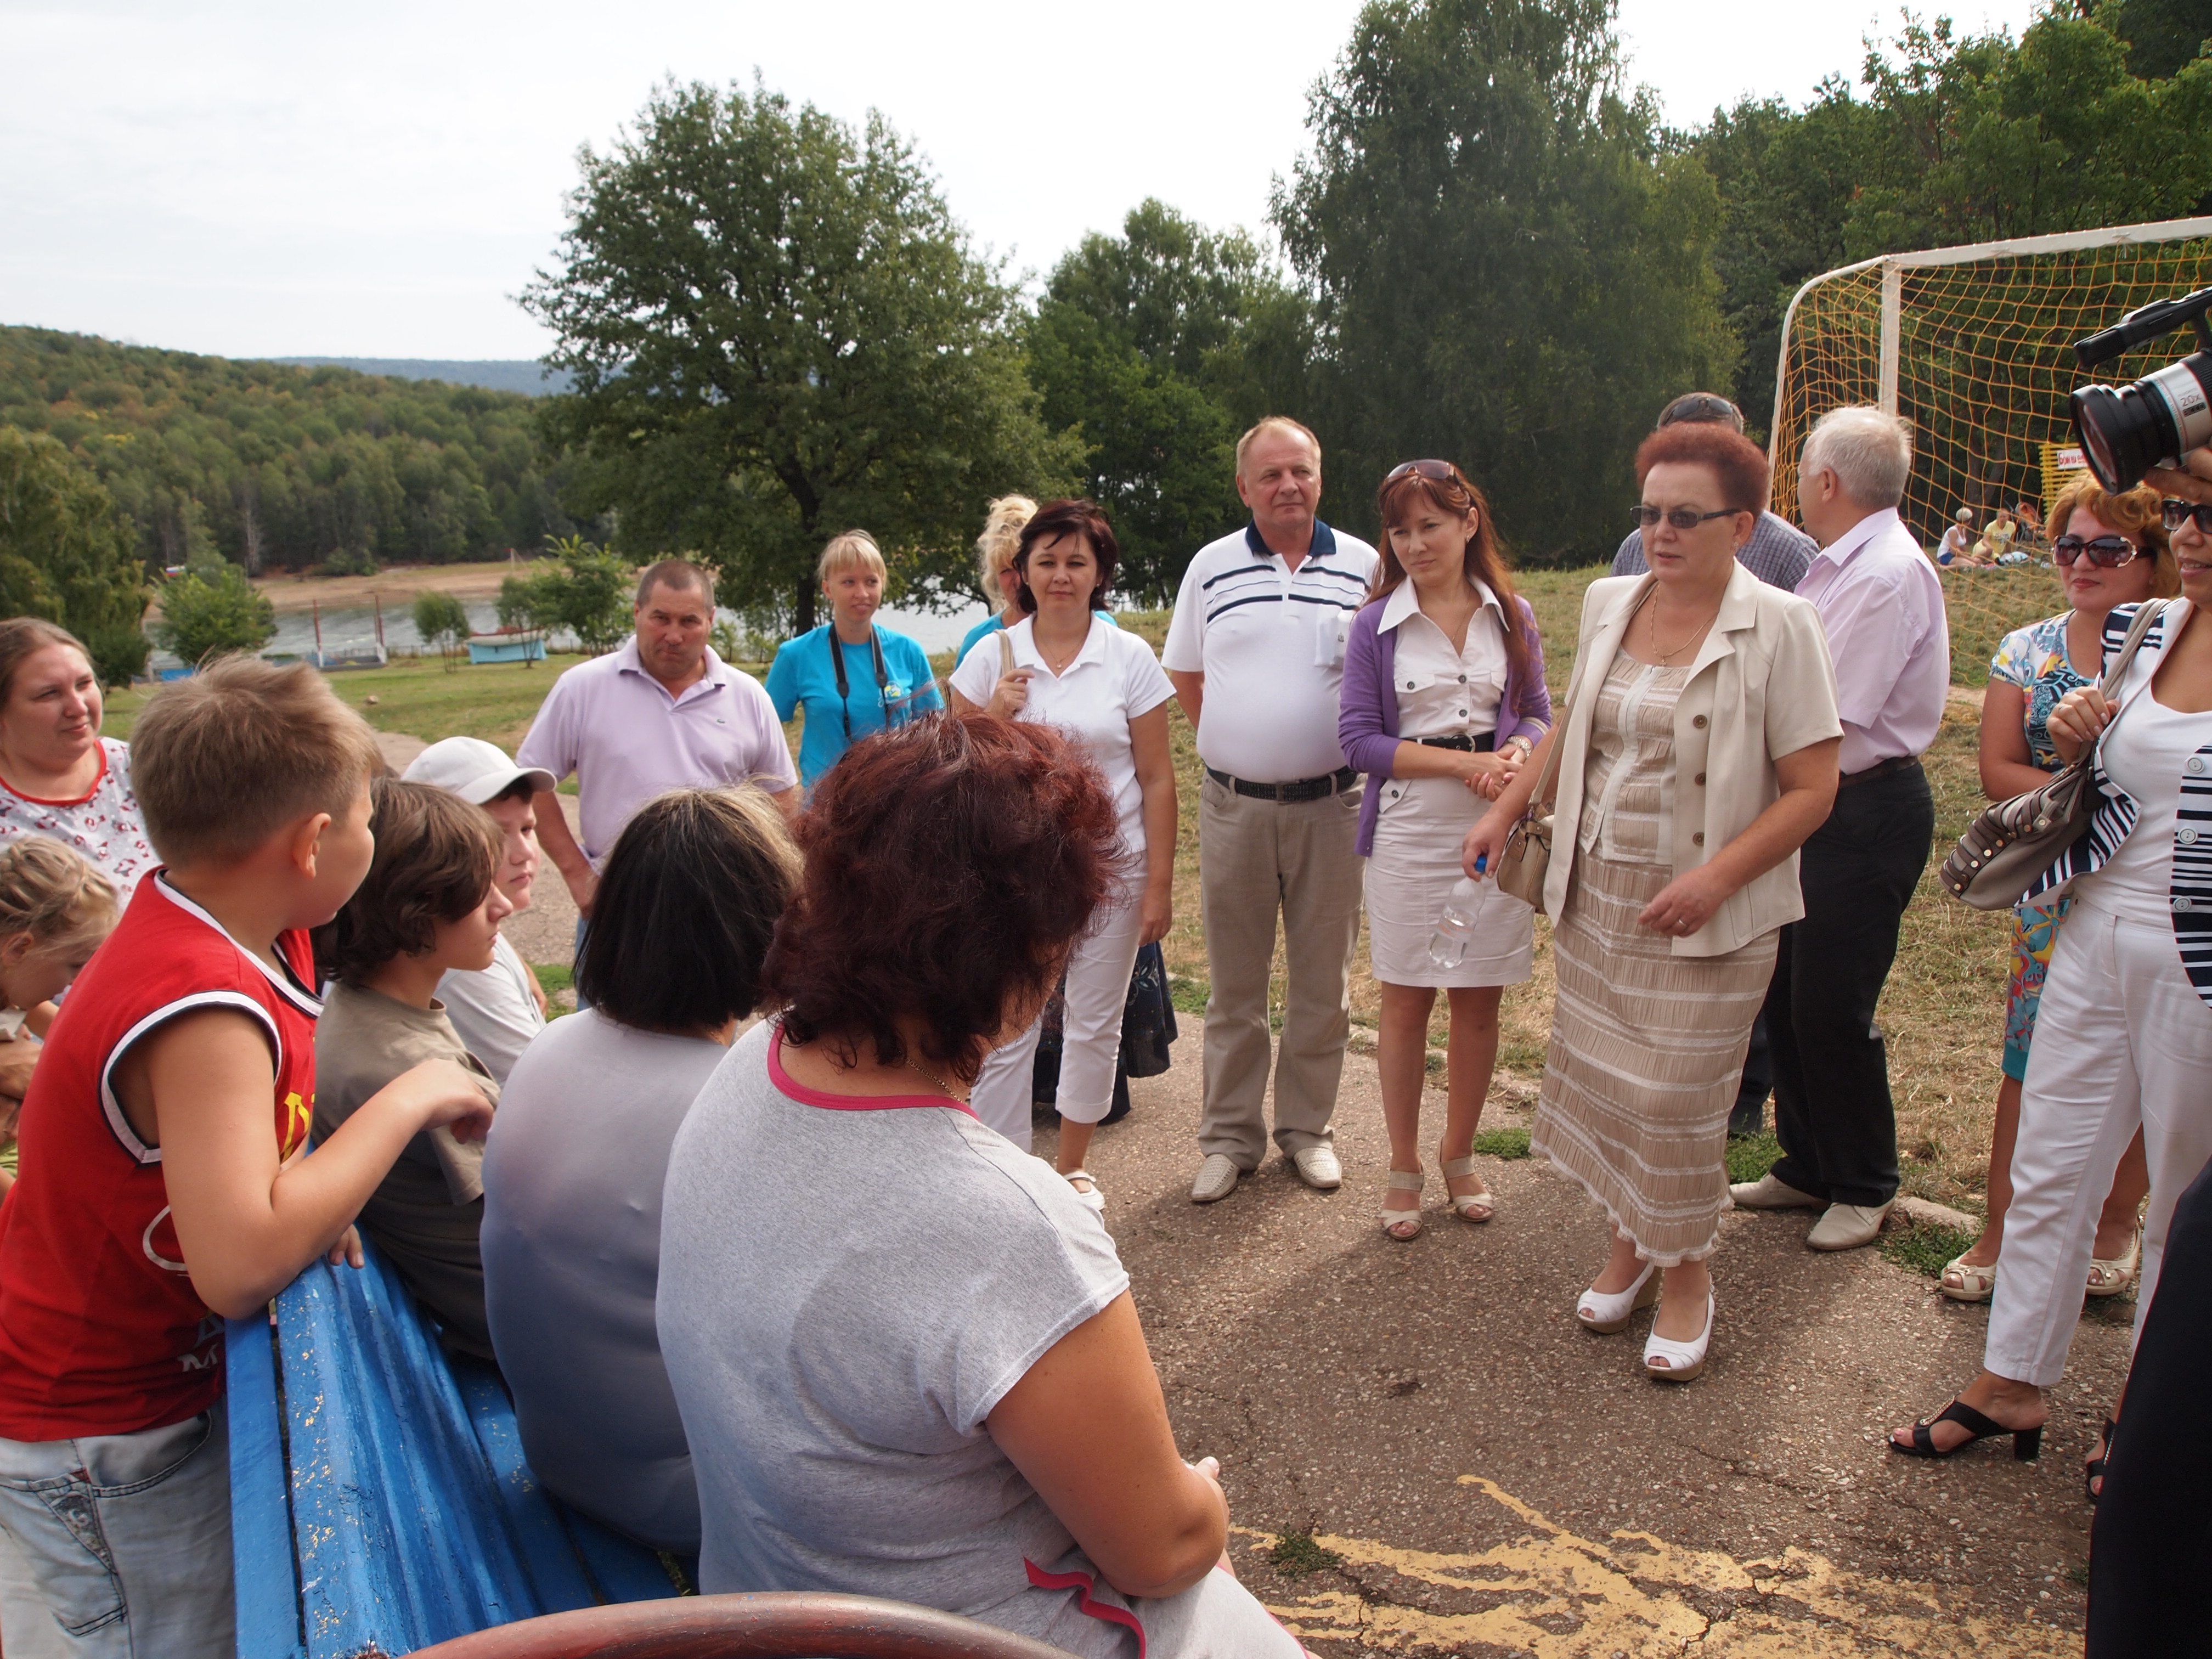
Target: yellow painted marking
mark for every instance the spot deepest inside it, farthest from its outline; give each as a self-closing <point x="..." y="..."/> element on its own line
<point x="1558" y="1595"/>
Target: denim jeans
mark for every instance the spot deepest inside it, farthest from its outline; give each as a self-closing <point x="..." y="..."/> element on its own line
<point x="118" y="1545"/>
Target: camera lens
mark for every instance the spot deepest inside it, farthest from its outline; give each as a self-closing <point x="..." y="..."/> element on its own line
<point x="2127" y="430"/>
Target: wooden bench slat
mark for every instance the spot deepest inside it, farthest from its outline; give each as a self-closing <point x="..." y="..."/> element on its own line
<point x="266" y="1578"/>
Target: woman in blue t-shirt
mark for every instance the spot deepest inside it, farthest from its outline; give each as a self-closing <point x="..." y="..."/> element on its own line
<point x="851" y="676"/>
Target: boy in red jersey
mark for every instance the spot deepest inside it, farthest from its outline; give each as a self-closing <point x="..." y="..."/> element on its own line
<point x="164" y="1187"/>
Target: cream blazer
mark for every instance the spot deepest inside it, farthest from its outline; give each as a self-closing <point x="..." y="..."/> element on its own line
<point x="1760" y="685"/>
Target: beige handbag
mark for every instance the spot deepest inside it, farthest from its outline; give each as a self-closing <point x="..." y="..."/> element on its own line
<point x="2015" y="841"/>
<point x="1526" y="858"/>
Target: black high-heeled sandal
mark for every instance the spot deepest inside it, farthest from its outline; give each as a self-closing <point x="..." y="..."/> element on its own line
<point x="2093" y="1470"/>
<point x="2027" y="1443"/>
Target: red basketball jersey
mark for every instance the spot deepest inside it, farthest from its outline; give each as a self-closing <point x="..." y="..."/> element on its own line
<point x="100" y="1330"/>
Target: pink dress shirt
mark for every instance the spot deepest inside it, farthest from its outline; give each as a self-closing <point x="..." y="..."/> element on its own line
<point x="626" y="740"/>
<point x="1881" y="606"/>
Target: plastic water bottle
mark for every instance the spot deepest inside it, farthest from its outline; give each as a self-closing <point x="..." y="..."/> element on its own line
<point x="1455" y="926"/>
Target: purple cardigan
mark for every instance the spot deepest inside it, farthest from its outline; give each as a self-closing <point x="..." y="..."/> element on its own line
<point x="1367" y="717"/>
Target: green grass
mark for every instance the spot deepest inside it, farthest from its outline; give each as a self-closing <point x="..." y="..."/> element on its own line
<point x="1750" y="1156"/>
<point x="1188" y="995"/>
<point x="1503" y="1143"/>
<point x="1296" y="1554"/>
<point x="1925" y="1249"/>
<point x="553" y="976"/>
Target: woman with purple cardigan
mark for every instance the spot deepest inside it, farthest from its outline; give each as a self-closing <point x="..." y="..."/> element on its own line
<point x="1444" y="701"/>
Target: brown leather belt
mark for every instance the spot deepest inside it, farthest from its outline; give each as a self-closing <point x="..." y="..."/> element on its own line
<point x="1889" y="768"/>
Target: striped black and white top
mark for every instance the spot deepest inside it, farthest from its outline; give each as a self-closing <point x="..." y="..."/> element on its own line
<point x="2190" y="888"/>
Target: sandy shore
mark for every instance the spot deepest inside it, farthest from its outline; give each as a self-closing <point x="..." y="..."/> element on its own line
<point x="395" y="585"/>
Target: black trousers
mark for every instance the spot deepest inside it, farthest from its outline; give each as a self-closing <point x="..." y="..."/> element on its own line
<point x="2153" y="1534"/>
<point x="1831" y="1106"/>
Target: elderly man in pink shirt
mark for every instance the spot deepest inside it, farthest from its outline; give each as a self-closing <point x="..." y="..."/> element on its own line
<point x="1882" y="607"/>
<point x="662" y="712"/>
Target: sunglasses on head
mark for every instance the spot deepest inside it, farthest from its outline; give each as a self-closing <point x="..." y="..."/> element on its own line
<point x="1434" y="471"/>
<point x="2106" y="552"/>
<point x="2178" y="514"/>
<point x="1682" y="518"/>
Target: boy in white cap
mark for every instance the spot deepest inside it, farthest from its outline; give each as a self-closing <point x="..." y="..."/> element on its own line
<point x="497" y="1009"/>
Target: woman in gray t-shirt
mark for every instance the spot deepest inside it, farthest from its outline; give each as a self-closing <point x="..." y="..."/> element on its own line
<point x="905" y="1351"/>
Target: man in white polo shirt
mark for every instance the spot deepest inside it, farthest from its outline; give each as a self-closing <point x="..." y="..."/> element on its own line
<point x="1256" y="656"/>
<point x="495" y="1010"/>
<point x="663" y="713"/>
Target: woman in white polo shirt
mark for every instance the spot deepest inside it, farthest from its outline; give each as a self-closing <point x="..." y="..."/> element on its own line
<point x="1103" y="686"/>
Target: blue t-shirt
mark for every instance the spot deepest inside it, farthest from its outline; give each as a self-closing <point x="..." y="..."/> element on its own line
<point x="991" y="625"/>
<point x="802" y="677"/>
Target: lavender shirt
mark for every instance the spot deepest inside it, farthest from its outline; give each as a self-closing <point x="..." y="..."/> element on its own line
<point x="1881" y="606"/>
<point x="626" y="740"/>
<point x="1367" y="718"/>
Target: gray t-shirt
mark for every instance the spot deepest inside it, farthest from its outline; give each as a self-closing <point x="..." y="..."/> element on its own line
<point x="573" y="1174"/>
<point x="847" y="1288"/>
<point x="492" y="1008"/>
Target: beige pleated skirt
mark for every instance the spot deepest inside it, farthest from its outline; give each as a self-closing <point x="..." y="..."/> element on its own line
<point x="1647" y="1049"/>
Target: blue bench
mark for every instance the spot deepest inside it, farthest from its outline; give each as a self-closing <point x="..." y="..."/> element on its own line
<point x="379" y="1499"/>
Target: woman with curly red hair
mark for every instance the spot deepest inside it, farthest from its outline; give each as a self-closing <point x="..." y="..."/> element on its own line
<point x="905" y="1351"/>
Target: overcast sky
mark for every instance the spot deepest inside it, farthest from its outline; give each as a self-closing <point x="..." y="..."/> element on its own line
<point x="297" y="179"/>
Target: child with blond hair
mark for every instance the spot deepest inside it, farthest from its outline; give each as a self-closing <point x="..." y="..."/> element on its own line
<point x="55" y="908"/>
<point x="162" y="1187"/>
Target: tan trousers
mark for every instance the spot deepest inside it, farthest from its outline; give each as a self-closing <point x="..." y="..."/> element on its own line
<point x="1257" y="859"/>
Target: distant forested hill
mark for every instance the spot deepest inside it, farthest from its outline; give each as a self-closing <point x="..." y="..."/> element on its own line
<point x="277" y="466"/>
<point x="524" y="374"/>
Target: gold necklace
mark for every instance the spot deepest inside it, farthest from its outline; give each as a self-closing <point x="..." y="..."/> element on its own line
<point x="916" y="1066"/>
<point x="1695" y="634"/>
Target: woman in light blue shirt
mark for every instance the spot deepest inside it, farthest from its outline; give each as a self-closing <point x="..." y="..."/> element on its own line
<point x="851" y="676"/>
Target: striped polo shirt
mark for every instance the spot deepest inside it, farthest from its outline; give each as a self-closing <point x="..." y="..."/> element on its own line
<point x="1270" y="642"/>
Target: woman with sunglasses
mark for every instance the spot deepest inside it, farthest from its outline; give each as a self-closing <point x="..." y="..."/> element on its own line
<point x="2110" y="550"/>
<point x="850" y="676"/>
<point x="2124" y="1027"/>
<point x="1444" y="699"/>
<point x="1697" y="752"/>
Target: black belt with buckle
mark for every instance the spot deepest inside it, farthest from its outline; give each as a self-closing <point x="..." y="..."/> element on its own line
<point x="1478" y="743"/>
<point x="1288" y="794"/>
<point x="1889" y="768"/>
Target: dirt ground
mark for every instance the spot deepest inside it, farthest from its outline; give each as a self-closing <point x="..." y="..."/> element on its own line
<point x="397" y="585"/>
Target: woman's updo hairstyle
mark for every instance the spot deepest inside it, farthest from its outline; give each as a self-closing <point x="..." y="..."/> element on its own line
<point x="54" y="894"/>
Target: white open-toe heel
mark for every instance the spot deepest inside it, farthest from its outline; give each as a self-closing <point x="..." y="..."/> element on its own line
<point x="1683" y="1361"/>
<point x="1607" y="1312"/>
<point x="1090" y="1195"/>
<point x="1465" y="1205"/>
<point x="1403" y="1181"/>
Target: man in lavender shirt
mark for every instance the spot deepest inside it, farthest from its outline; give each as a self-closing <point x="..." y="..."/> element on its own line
<point x="663" y="713"/>
<point x="1881" y="606"/>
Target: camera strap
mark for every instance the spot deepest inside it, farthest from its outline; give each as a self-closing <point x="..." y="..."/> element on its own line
<point x="844" y="687"/>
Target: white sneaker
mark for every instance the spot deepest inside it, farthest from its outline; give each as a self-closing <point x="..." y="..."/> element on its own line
<point x="1767" y="1193"/>
<point x="1317" y="1167"/>
<point x="1847" y="1227"/>
<point x="1217" y="1179"/>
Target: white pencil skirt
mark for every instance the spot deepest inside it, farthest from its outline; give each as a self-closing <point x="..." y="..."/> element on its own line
<point x="1410" y="875"/>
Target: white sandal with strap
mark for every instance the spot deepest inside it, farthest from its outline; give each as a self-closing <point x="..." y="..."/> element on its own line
<point x="1404" y="1181"/>
<point x="1458" y="1169"/>
<point x="1094" y="1197"/>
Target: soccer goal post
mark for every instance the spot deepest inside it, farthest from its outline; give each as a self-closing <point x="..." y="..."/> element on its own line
<point x="1973" y="345"/>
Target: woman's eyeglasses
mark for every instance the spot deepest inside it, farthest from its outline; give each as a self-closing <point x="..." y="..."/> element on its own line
<point x="2106" y="552"/>
<point x="2178" y="514"/>
<point x="1682" y="518"/>
<point x="1434" y="471"/>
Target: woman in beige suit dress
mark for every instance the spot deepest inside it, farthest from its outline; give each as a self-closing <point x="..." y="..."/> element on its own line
<point x="1700" y="742"/>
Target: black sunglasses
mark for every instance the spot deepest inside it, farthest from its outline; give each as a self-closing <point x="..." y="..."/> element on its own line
<point x="2106" y="552"/>
<point x="1682" y="518"/>
<point x="2178" y="514"/>
<point x="1434" y="471"/>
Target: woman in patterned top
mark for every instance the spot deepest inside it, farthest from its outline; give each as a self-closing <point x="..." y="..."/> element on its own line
<point x="2110" y="550"/>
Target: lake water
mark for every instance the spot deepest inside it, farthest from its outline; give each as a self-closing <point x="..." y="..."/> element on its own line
<point x="353" y="627"/>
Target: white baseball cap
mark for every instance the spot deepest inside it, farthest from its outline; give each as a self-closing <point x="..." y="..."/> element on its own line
<point x="475" y="770"/>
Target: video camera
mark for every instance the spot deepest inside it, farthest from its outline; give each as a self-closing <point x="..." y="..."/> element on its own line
<point x="2126" y="431"/>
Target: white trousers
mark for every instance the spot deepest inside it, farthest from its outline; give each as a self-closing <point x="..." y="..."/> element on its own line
<point x="1091" y="1042"/>
<point x="2122" y="1039"/>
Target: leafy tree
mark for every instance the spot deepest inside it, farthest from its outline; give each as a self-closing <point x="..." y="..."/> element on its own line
<point x="776" y="330"/>
<point x="2162" y="36"/>
<point x="1509" y="270"/>
<point x="1157" y="348"/>
<point x="65" y="554"/>
<point x="442" y="621"/>
<point x="588" y="593"/>
<point x="211" y="610"/>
